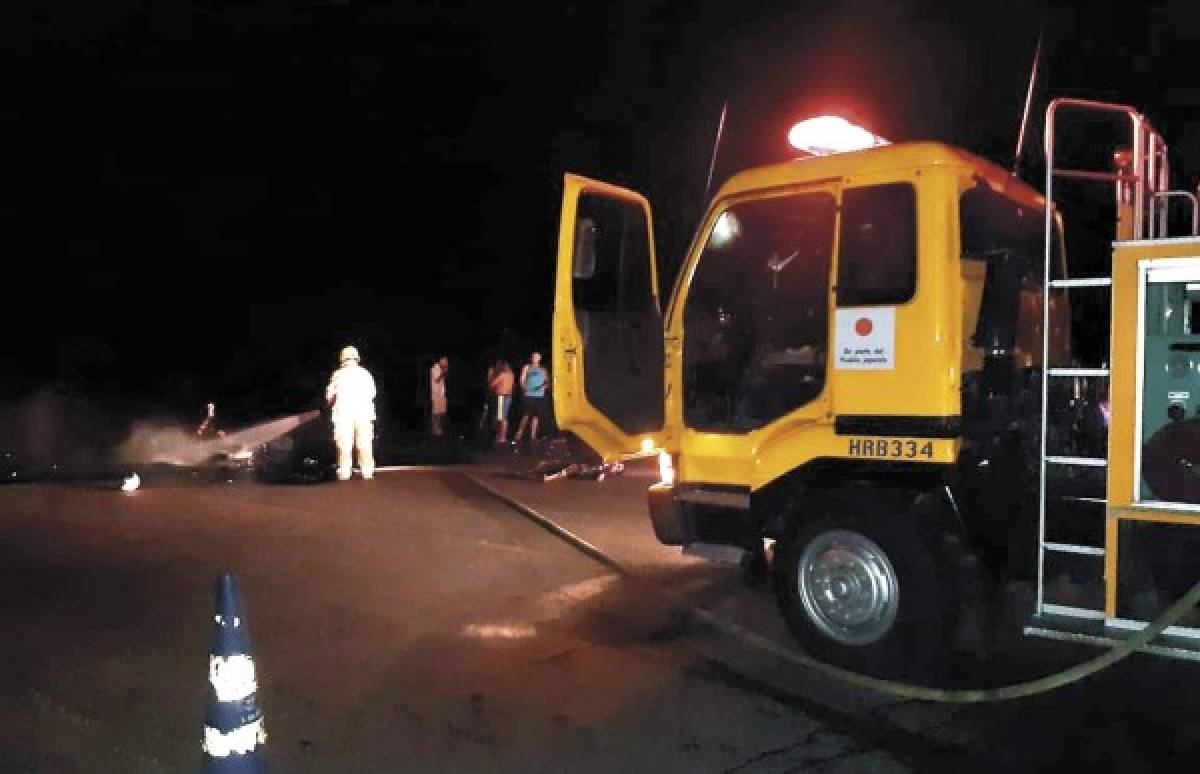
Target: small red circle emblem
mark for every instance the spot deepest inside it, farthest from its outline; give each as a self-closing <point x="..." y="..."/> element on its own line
<point x="863" y="326"/>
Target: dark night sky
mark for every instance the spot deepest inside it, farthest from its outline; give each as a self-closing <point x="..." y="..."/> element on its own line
<point x="207" y="199"/>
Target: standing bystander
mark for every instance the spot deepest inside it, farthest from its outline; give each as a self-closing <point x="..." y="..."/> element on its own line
<point x="534" y="382"/>
<point x="437" y="395"/>
<point x="500" y="384"/>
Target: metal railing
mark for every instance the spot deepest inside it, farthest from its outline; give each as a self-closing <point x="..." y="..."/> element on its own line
<point x="1148" y="164"/>
<point x="1159" y="212"/>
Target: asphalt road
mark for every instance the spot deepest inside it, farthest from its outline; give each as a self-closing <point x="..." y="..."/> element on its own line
<point x="416" y="623"/>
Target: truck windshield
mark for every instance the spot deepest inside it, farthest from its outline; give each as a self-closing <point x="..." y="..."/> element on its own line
<point x="756" y="314"/>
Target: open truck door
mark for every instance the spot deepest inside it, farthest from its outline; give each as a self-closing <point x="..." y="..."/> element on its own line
<point x="608" y="332"/>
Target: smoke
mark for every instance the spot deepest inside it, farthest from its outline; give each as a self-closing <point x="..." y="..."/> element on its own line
<point x="151" y="443"/>
<point x="51" y="434"/>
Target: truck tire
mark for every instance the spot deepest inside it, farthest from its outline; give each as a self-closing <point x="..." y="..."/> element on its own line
<point x="862" y="584"/>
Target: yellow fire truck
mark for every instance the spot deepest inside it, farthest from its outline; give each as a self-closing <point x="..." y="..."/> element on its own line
<point x="850" y="368"/>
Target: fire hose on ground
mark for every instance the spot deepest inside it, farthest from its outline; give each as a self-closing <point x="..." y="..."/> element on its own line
<point x="1117" y="653"/>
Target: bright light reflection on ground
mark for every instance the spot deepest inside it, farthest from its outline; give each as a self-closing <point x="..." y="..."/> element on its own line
<point x="499" y="631"/>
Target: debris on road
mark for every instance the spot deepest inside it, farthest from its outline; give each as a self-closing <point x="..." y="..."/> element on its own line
<point x="553" y="470"/>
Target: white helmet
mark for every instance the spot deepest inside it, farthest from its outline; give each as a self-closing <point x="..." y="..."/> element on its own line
<point x="348" y="353"/>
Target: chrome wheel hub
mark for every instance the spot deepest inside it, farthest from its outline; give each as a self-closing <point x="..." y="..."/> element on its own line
<point x="848" y="586"/>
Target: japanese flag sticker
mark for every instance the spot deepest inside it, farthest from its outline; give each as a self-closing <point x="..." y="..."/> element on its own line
<point x="866" y="339"/>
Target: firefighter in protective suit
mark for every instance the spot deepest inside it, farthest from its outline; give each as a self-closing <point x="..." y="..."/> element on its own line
<point x="351" y="393"/>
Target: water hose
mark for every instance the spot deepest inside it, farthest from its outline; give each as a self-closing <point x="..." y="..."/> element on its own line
<point x="1117" y="653"/>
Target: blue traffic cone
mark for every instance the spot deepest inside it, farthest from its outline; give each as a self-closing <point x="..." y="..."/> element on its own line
<point x="234" y="734"/>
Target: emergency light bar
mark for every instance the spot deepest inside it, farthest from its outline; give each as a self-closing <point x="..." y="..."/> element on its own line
<point x="825" y="135"/>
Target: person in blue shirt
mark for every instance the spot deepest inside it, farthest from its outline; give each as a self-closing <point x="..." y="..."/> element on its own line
<point x="535" y="381"/>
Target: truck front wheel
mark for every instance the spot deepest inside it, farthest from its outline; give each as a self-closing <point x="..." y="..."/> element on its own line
<point x="861" y="586"/>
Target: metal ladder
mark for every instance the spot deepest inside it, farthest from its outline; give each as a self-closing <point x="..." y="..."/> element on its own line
<point x="1141" y="198"/>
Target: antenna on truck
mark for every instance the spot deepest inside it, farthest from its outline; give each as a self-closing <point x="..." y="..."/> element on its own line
<point x="716" y="146"/>
<point x="1037" y="55"/>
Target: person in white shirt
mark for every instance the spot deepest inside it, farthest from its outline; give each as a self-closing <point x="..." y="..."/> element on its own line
<point x="351" y="393"/>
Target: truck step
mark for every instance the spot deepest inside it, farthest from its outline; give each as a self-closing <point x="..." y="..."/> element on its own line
<point x="1091" y="462"/>
<point x="1086" y="372"/>
<point x="716" y="552"/>
<point x="1083" y="282"/>
<point x="723" y="498"/>
<point x="1072" y="548"/>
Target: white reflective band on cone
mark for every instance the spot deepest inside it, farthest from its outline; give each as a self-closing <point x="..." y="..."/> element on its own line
<point x="239" y="741"/>
<point x="232" y="678"/>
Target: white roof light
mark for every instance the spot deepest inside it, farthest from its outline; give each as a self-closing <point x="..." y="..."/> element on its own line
<point x="824" y="135"/>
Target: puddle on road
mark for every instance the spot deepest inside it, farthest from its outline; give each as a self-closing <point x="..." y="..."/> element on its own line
<point x="553" y="605"/>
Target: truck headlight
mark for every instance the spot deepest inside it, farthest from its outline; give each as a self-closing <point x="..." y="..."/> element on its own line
<point x="666" y="469"/>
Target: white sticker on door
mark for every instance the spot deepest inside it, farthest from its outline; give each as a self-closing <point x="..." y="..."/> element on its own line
<point x="866" y="339"/>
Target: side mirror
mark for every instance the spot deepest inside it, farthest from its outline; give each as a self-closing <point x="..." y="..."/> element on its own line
<point x="583" y="262"/>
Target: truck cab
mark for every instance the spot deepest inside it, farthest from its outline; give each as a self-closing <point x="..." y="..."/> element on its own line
<point x="845" y="367"/>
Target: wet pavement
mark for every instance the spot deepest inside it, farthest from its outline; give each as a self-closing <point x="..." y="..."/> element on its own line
<point x="416" y="623"/>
